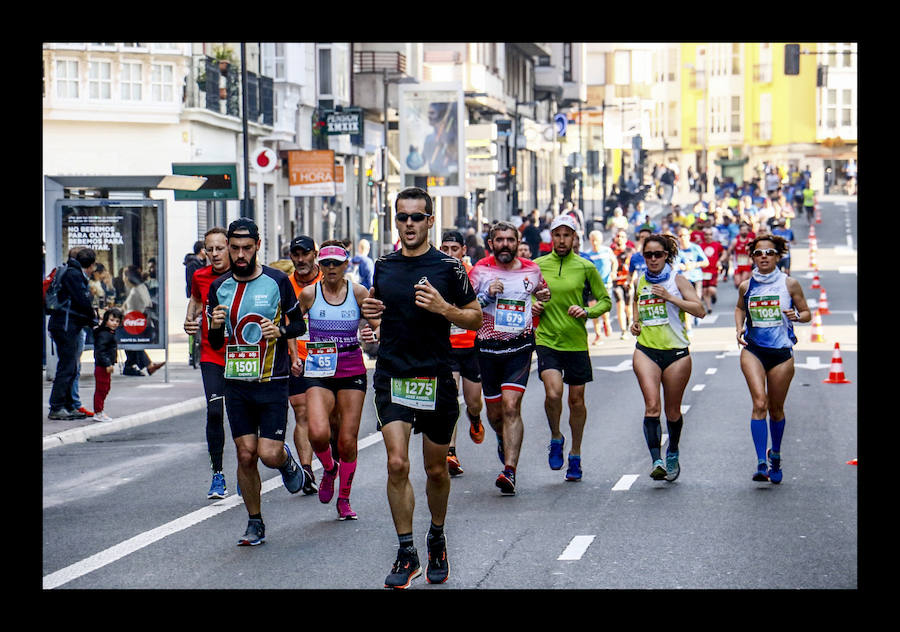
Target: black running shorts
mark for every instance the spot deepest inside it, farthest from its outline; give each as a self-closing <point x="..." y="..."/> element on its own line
<point x="257" y="408"/>
<point x="436" y="424"/>
<point x="575" y="366"/>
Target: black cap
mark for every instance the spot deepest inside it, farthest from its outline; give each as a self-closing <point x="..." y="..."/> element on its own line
<point x="453" y="235"/>
<point x="304" y="242"/>
<point x="243" y="223"/>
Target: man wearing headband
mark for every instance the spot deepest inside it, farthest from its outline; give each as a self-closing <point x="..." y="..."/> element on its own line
<point x="303" y="252"/>
<point x="418" y="292"/>
<point x="465" y="362"/>
<point x="334" y="372"/>
<point x="252" y="312"/>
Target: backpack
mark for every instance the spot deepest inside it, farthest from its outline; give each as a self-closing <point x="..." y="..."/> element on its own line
<point x="52" y="285"/>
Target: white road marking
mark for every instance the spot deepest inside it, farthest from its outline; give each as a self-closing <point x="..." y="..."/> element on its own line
<point x="625" y="483"/>
<point x="711" y="371"/>
<point x="138" y="542"/>
<point x="577" y="547"/>
<point x="698" y="387"/>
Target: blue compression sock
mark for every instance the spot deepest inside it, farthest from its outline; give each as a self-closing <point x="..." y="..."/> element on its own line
<point x="776" y="428"/>
<point x="760" y="437"/>
<point x="653" y="435"/>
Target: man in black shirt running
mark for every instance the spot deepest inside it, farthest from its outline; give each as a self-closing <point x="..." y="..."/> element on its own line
<point x="417" y="292"/>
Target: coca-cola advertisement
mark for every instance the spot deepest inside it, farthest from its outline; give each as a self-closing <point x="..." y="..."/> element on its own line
<point x="129" y="274"/>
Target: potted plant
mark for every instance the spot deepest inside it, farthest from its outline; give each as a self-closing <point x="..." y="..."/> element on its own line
<point x="225" y="57"/>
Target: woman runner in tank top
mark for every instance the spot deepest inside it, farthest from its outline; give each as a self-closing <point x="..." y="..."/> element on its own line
<point x="768" y="305"/>
<point x="661" y="357"/>
<point x="334" y="371"/>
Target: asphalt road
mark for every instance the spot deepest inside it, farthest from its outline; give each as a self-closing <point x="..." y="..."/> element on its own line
<point x="129" y="509"/>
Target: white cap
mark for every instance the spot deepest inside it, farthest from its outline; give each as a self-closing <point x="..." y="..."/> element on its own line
<point x="563" y="220"/>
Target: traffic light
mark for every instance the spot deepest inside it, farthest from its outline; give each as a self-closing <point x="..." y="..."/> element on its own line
<point x="503" y="180"/>
<point x="792" y="59"/>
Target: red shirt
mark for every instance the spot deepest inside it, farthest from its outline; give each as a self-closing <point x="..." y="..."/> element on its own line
<point x="741" y="254"/>
<point x="200" y="283"/>
<point x="464" y="338"/>
<point x="713" y="251"/>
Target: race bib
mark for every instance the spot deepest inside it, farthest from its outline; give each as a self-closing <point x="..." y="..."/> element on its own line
<point x="707" y="276"/>
<point x="242" y="362"/>
<point x="743" y="260"/>
<point x="456" y="331"/>
<point x="414" y="392"/>
<point x="652" y="309"/>
<point x="509" y="315"/>
<point x="765" y="311"/>
<point x="321" y="359"/>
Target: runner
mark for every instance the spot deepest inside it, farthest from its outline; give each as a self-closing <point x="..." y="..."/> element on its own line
<point x="561" y="340"/>
<point x="466" y="372"/>
<point x="607" y="265"/>
<point x="782" y="230"/>
<point x="661" y="356"/>
<point x="504" y="284"/>
<point x="302" y="252"/>
<point x="690" y="263"/>
<point x="247" y="308"/>
<point x="417" y="293"/>
<point x="623" y="249"/>
<point x="809" y="202"/>
<point x="212" y="363"/>
<point x="334" y="371"/>
<point x="739" y="252"/>
<point x="768" y="304"/>
<point x="713" y="250"/>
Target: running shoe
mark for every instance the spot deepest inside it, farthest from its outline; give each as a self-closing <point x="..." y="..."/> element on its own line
<point x="309" y="486"/>
<point x="255" y="533"/>
<point x="659" y="470"/>
<point x="217" y="488"/>
<point x="405" y="569"/>
<point x="101" y="416"/>
<point x="86" y="412"/>
<point x="343" y="509"/>
<point x="775" y="473"/>
<point x="326" y="487"/>
<point x="506" y="482"/>
<point x="453" y="465"/>
<point x="762" y="472"/>
<point x="556" y="453"/>
<point x="574" y="471"/>
<point x="291" y="473"/>
<point x="476" y="430"/>
<point x="673" y="467"/>
<point x="438" y="568"/>
<point x="500" y="453"/>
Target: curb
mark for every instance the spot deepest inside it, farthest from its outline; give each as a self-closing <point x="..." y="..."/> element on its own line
<point x="79" y="435"/>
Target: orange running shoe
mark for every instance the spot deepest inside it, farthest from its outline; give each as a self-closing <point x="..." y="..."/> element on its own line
<point x="476" y="429"/>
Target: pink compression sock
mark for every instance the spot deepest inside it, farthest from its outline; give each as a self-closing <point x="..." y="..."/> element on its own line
<point x="347" y="470"/>
<point x="325" y="459"/>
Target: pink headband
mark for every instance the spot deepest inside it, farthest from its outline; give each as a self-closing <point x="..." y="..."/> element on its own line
<point x="333" y="252"/>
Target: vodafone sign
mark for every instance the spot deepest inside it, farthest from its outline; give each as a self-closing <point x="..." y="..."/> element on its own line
<point x="264" y="160"/>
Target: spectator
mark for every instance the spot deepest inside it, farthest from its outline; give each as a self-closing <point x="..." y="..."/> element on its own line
<point x="531" y="233"/>
<point x="474" y="248"/>
<point x="105" y="352"/>
<point x="137" y="300"/>
<point x="365" y="267"/>
<point x="193" y="262"/>
<point x="65" y="326"/>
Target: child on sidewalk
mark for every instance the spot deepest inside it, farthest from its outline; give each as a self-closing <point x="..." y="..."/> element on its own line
<point x="105" y="351"/>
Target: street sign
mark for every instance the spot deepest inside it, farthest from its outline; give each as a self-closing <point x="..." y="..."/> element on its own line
<point x="345" y="121"/>
<point x="264" y="160"/>
<point x="562" y="124"/>
<point x="221" y="180"/>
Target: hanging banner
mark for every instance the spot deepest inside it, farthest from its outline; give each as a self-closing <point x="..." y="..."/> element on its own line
<point x="432" y="137"/>
<point x="311" y="173"/>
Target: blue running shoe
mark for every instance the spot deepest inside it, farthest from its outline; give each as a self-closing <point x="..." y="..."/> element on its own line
<point x="775" y="473"/>
<point x="217" y="488"/>
<point x="673" y="468"/>
<point x="292" y="474"/>
<point x="255" y="533"/>
<point x="556" y="453"/>
<point x="761" y="474"/>
<point x="500" y="454"/>
<point x="574" y="471"/>
<point x="658" y="472"/>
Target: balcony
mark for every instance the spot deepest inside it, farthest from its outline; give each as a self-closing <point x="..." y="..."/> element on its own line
<point x="217" y="88"/>
<point x="548" y="79"/>
<point x="366" y="61"/>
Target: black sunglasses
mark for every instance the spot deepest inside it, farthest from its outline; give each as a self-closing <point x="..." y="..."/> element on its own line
<point x="768" y="251"/>
<point x="330" y="263"/>
<point x="416" y="217"/>
<point x="655" y="254"/>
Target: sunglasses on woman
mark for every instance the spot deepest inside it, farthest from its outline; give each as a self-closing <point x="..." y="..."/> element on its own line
<point x="655" y="254"/>
<point x="330" y="263"/>
<point x="768" y="251"/>
<point x="416" y="217"/>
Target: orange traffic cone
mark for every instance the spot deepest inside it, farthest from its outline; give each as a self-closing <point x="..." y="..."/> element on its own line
<point x="815" y="284"/>
<point x="818" y="215"/>
<point x="812" y="232"/>
<point x="817" y="329"/>
<point x="836" y="376"/>
<point x="823" y="302"/>
<point x="812" y="257"/>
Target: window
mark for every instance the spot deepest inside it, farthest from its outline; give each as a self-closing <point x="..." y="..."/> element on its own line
<point x="641" y="67"/>
<point x="67" y="79"/>
<point x="100" y="80"/>
<point x="278" y="58"/>
<point x="672" y="127"/>
<point x="735" y="59"/>
<point x="162" y="78"/>
<point x="595" y="73"/>
<point x="765" y="117"/>
<point x="324" y="71"/>
<point x="567" y="61"/>
<point x="847" y="109"/>
<point x="622" y="67"/>
<point x="736" y="114"/>
<point x="131" y="81"/>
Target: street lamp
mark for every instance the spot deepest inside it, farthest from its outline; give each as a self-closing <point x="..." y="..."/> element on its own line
<point x="515" y="171"/>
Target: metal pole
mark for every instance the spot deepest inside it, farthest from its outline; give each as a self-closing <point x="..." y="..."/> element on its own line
<point x="515" y="170"/>
<point x="246" y="211"/>
<point x="386" y="211"/>
<point x="603" y="155"/>
<point x="581" y="160"/>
